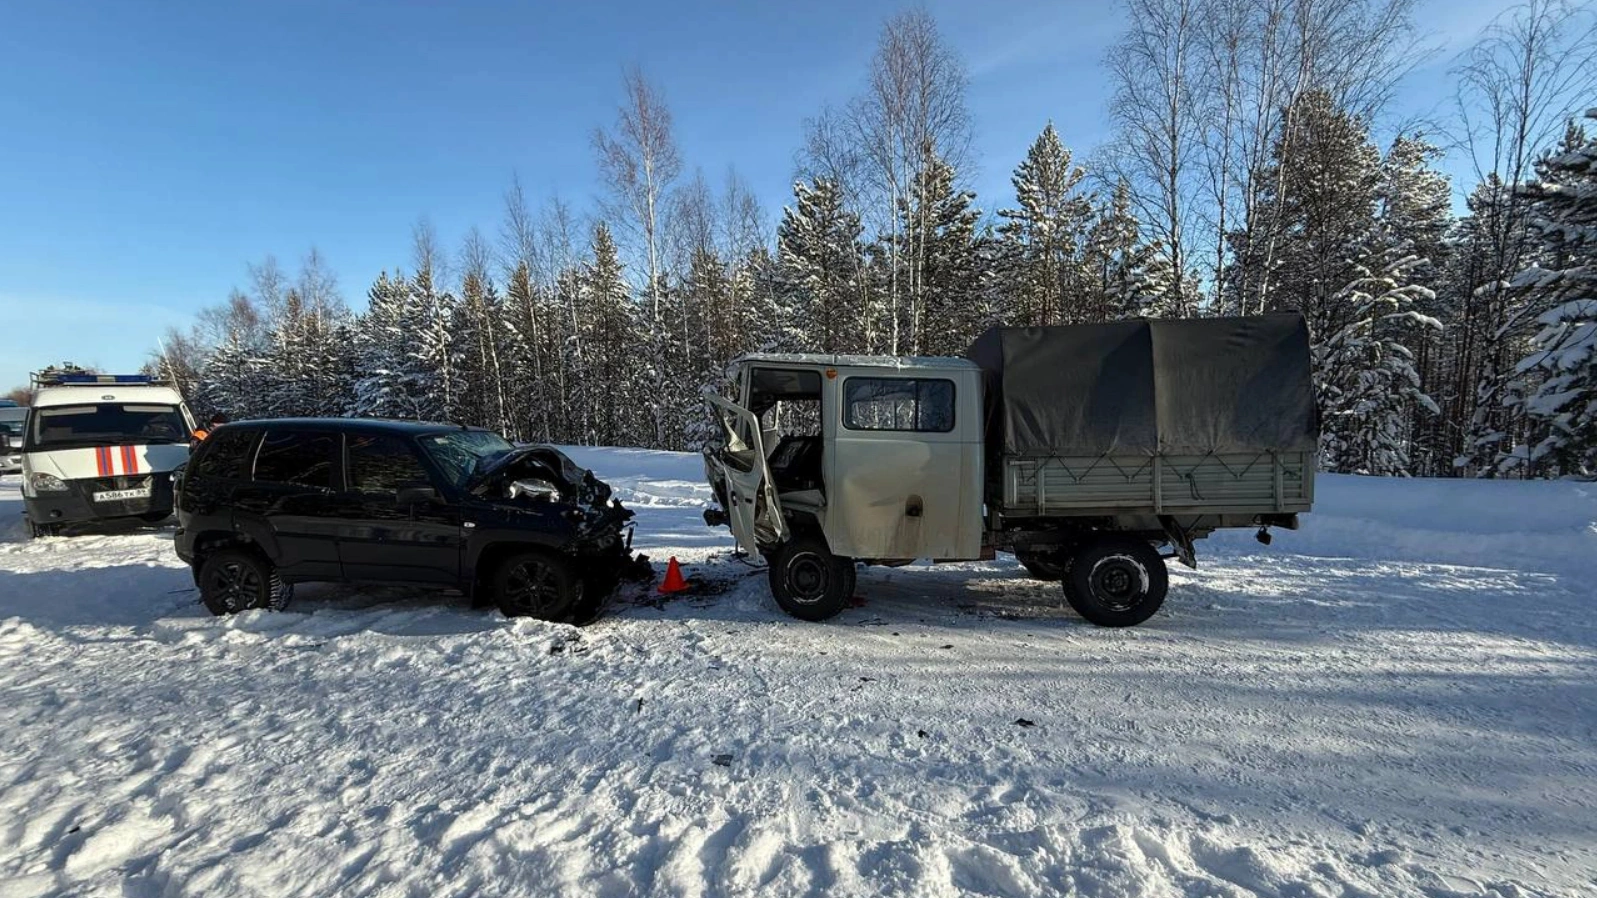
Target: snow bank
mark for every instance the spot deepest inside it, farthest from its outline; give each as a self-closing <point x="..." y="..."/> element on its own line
<point x="1531" y="526"/>
<point x="1400" y="699"/>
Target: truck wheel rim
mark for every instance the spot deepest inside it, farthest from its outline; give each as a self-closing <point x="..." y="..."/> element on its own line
<point x="1119" y="582"/>
<point x="806" y="579"/>
<point x="237" y="585"/>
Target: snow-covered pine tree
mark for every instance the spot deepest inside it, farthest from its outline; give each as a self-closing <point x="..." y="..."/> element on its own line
<point x="1354" y="281"/>
<point x="1415" y="209"/>
<point x="477" y="335"/>
<point x="1041" y="236"/>
<point x="380" y="342"/>
<point x="619" y="376"/>
<point x="431" y="383"/>
<point x="947" y="303"/>
<point x="818" y="254"/>
<point x="1367" y="382"/>
<point x="1127" y="277"/>
<point x="1557" y="389"/>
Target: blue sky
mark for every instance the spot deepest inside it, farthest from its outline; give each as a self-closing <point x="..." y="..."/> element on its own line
<point x="149" y="151"/>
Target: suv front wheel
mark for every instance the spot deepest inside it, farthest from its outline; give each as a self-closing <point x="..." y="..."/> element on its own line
<point x="537" y="584"/>
<point x="234" y="580"/>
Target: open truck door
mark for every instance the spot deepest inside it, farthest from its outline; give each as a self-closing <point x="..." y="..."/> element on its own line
<point x="740" y="474"/>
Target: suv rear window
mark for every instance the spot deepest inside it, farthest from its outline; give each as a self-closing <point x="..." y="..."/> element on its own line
<point x="304" y="458"/>
<point x="225" y="454"/>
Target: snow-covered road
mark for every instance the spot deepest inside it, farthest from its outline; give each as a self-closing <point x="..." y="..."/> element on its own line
<point x="1400" y="699"/>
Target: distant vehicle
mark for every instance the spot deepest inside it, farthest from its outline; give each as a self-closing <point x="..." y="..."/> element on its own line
<point x="267" y="504"/>
<point x="12" y="419"/>
<point x="8" y="403"/>
<point x="1080" y="449"/>
<point x="99" y="447"/>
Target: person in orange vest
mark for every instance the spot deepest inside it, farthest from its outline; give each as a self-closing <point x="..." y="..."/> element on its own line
<point x="217" y="420"/>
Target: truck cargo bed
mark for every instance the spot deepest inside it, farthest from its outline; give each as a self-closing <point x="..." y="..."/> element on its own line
<point x="1234" y="483"/>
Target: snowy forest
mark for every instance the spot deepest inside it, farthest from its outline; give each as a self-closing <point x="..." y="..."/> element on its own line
<point x="1254" y="168"/>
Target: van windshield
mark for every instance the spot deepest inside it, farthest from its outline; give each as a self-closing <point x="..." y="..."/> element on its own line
<point x="106" y="423"/>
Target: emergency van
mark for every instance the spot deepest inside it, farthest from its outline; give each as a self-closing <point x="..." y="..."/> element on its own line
<point x="99" y="447"/>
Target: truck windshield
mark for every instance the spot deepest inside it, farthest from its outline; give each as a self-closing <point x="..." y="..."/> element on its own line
<point x="107" y="423"/>
<point x="458" y="453"/>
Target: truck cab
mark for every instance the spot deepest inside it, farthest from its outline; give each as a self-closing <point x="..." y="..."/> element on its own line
<point x="828" y="459"/>
<point x="100" y="447"/>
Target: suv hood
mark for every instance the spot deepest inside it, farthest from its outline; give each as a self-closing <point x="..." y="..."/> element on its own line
<point x="576" y="483"/>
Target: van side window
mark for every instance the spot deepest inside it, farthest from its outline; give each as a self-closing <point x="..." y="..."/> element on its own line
<point x="226" y="454"/>
<point x="921" y="405"/>
<point x="303" y="458"/>
<point x="382" y="464"/>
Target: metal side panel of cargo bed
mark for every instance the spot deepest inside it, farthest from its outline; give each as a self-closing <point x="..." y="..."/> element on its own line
<point x="1237" y="483"/>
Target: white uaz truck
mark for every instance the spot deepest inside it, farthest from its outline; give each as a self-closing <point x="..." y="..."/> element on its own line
<point x="101" y="446"/>
<point x="1091" y="452"/>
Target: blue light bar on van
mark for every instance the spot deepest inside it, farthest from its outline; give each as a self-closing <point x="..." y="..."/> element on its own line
<point x="105" y="378"/>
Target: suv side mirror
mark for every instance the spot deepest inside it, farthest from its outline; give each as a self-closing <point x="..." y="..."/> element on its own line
<point x="415" y="494"/>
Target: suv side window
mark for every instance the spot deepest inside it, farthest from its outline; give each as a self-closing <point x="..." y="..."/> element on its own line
<point x="226" y="454"/>
<point x="304" y="458"/>
<point x="379" y="463"/>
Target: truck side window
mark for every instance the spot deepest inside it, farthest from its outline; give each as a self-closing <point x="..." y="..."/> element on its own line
<point x="302" y="458"/>
<point x="226" y="454"/>
<point x="921" y="405"/>
<point x="382" y="464"/>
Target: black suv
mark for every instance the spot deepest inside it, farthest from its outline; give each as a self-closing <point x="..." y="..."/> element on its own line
<point x="266" y="504"/>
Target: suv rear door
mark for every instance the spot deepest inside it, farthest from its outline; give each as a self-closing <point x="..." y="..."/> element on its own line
<point x="288" y="506"/>
<point x="383" y="539"/>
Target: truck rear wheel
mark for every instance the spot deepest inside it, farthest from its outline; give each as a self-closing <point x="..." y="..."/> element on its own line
<point x="1117" y="581"/>
<point x="808" y="581"/>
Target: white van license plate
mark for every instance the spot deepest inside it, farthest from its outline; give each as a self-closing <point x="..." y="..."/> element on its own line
<point x="122" y="495"/>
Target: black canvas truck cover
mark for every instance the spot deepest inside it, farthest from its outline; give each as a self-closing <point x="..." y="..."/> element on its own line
<point x="1187" y="387"/>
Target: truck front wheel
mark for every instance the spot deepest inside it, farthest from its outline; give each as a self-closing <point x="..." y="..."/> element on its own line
<point x="808" y="581"/>
<point x="1118" y="581"/>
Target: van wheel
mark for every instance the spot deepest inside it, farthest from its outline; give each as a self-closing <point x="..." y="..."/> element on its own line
<point x="537" y="584"/>
<point x="234" y="580"/>
<point x="1118" y="581"/>
<point x="808" y="581"/>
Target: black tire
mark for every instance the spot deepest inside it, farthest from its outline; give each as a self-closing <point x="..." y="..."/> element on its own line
<point x="808" y="581"/>
<point x="234" y="580"/>
<point x="1044" y="567"/>
<point x="537" y="584"/>
<point x="1117" y="581"/>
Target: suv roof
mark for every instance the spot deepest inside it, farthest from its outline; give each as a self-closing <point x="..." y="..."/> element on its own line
<point x="353" y="425"/>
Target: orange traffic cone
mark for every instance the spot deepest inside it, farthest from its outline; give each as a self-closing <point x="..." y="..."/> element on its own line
<point x="674" y="581"/>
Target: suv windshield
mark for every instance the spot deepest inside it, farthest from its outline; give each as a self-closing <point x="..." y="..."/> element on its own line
<point x="112" y="423"/>
<point x="459" y="453"/>
<point x="11" y="421"/>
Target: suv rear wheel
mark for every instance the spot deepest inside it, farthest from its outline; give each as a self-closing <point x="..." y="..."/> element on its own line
<point x="537" y="584"/>
<point x="234" y="580"/>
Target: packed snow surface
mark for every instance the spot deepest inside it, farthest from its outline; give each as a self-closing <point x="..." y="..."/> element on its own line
<point x="1400" y="699"/>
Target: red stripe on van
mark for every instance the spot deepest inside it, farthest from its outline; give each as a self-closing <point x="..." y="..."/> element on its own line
<point x="102" y="460"/>
<point x="130" y="460"/>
